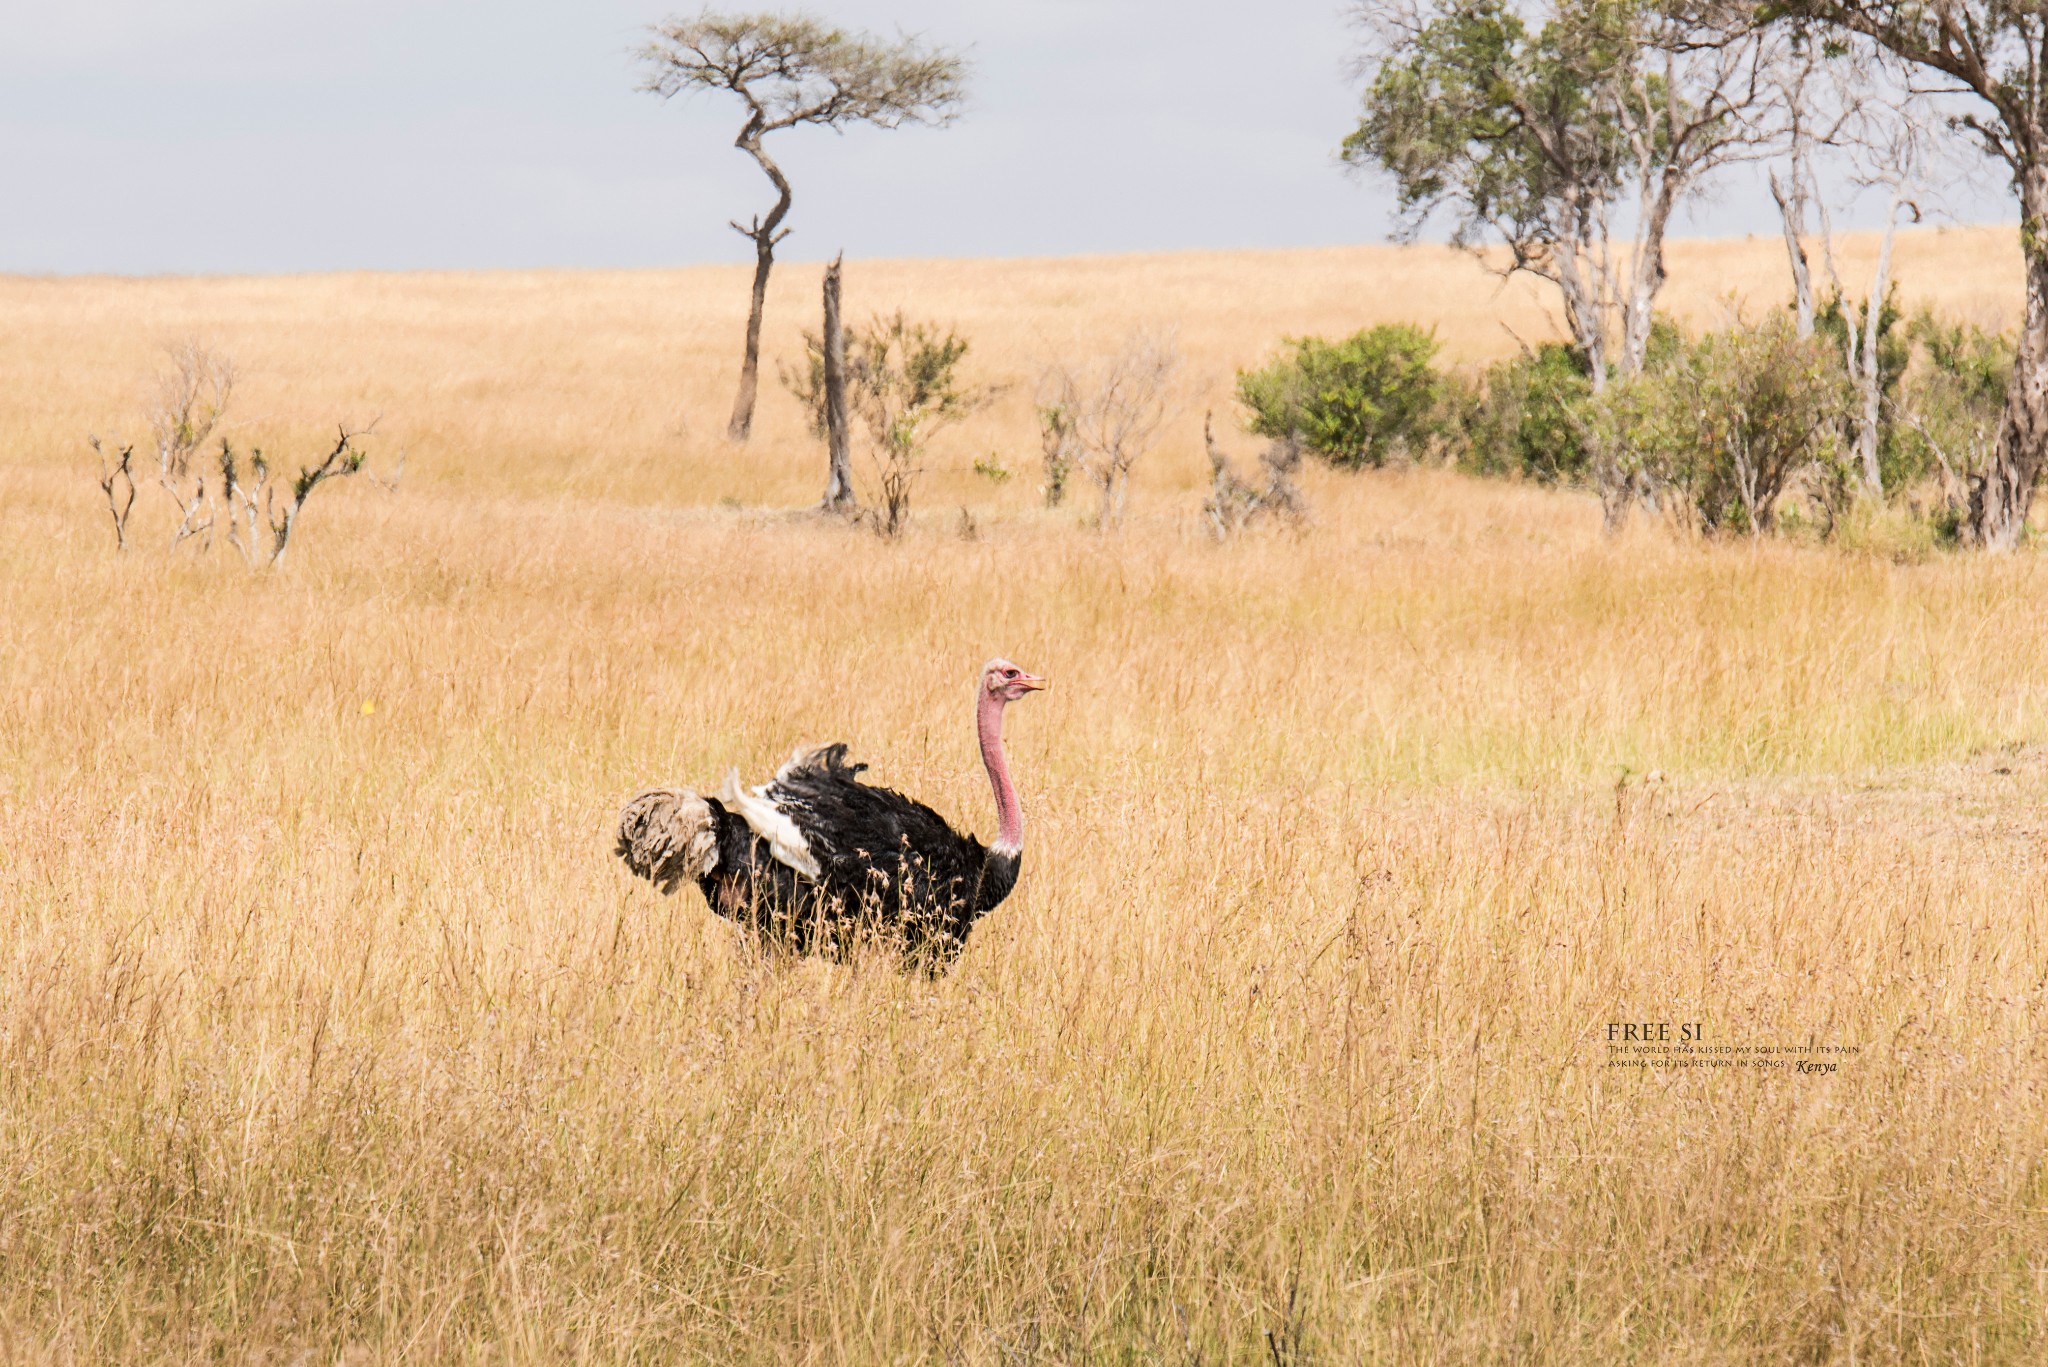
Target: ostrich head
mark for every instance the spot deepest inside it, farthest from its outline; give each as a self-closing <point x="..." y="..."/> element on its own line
<point x="1001" y="679"/>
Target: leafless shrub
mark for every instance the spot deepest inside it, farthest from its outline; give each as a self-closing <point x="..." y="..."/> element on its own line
<point x="187" y="406"/>
<point x="191" y="397"/>
<point x="117" y="482"/>
<point x="1116" y="409"/>
<point x="1233" y="504"/>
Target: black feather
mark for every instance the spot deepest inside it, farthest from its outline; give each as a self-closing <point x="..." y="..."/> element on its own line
<point x="751" y="886"/>
<point x="887" y="860"/>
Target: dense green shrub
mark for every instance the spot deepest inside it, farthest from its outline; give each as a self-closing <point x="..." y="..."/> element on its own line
<point x="1833" y="319"/>
<point x="1354" y="402"/>
<point x="1976" y="365"/>
<point x="1527" y="416"/>
<point x="1523" y="417"/>
<point x="1950" y="403"/>
<point x="1725" y="424"/>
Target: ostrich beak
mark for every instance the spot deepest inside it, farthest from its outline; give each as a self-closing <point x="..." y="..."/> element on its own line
<point x="1033" y="682"/>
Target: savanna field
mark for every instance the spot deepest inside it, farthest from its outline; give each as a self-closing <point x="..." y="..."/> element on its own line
<point x="332" y="1031"/>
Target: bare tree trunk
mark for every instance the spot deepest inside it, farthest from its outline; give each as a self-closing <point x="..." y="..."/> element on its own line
<point x="1869" y="375"/>
<point x="1792" y="212"/>
<point x="764" y="236"/>
<point x="742" y="425"/>
<point x="1585" y="308"/>
<point x="1584" y="315"/>
<point x="839" y="482"/>
<point x="1648" y="276"/>
<point x="2002" y="495"/>
<point x="1621" y="488"/>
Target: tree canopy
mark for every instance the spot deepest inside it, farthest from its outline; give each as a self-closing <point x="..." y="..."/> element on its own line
<point x="1474" y="113"/>
<point x="1569" y="131"/>
<point x="795" y="69"/>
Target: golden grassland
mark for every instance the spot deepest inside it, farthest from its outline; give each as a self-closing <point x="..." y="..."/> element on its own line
<point x="331" y="1031"/>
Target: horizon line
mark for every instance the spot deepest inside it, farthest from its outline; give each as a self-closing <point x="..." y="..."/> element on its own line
<point x="142" y="277"/>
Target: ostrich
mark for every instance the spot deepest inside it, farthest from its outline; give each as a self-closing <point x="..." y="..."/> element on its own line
<point x="816" y="850"/>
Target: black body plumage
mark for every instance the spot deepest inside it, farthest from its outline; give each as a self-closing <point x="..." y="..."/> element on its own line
<point x="883" y="861"/>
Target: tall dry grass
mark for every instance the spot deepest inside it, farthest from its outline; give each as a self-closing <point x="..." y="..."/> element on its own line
<point x="330" y="1030"/>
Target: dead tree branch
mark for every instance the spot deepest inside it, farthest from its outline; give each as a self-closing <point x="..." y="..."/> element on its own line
<point x="117" y="482"/>
<point x="1235" y="504"/>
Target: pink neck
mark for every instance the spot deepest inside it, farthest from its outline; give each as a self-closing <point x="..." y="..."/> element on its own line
<point x="988" y="721"/>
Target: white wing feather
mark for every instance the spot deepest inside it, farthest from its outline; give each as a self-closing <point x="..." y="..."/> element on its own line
<point x="785" y="842"/>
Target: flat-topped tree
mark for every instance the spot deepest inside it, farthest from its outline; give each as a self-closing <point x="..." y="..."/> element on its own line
<point x="792" y="69"/>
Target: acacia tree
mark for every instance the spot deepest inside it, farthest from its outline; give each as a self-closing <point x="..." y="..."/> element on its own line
<point x="1570" y="132"/>
<point x="1991" y="56"/>
<point x="789" y="70"/>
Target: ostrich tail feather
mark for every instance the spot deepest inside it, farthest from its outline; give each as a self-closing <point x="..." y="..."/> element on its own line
<point x="667" y="835"/>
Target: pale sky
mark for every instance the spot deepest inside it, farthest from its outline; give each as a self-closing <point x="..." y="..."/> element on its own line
<point x="287" y="135"/>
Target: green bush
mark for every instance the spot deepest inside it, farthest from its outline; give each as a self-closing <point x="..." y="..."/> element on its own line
<point x="1527" y="416"/>
<point x="1523" y="418"/>
<point x="1727" y="422"/>
<point x="1950" y="404"/>
<point x="1353" y="402"/>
